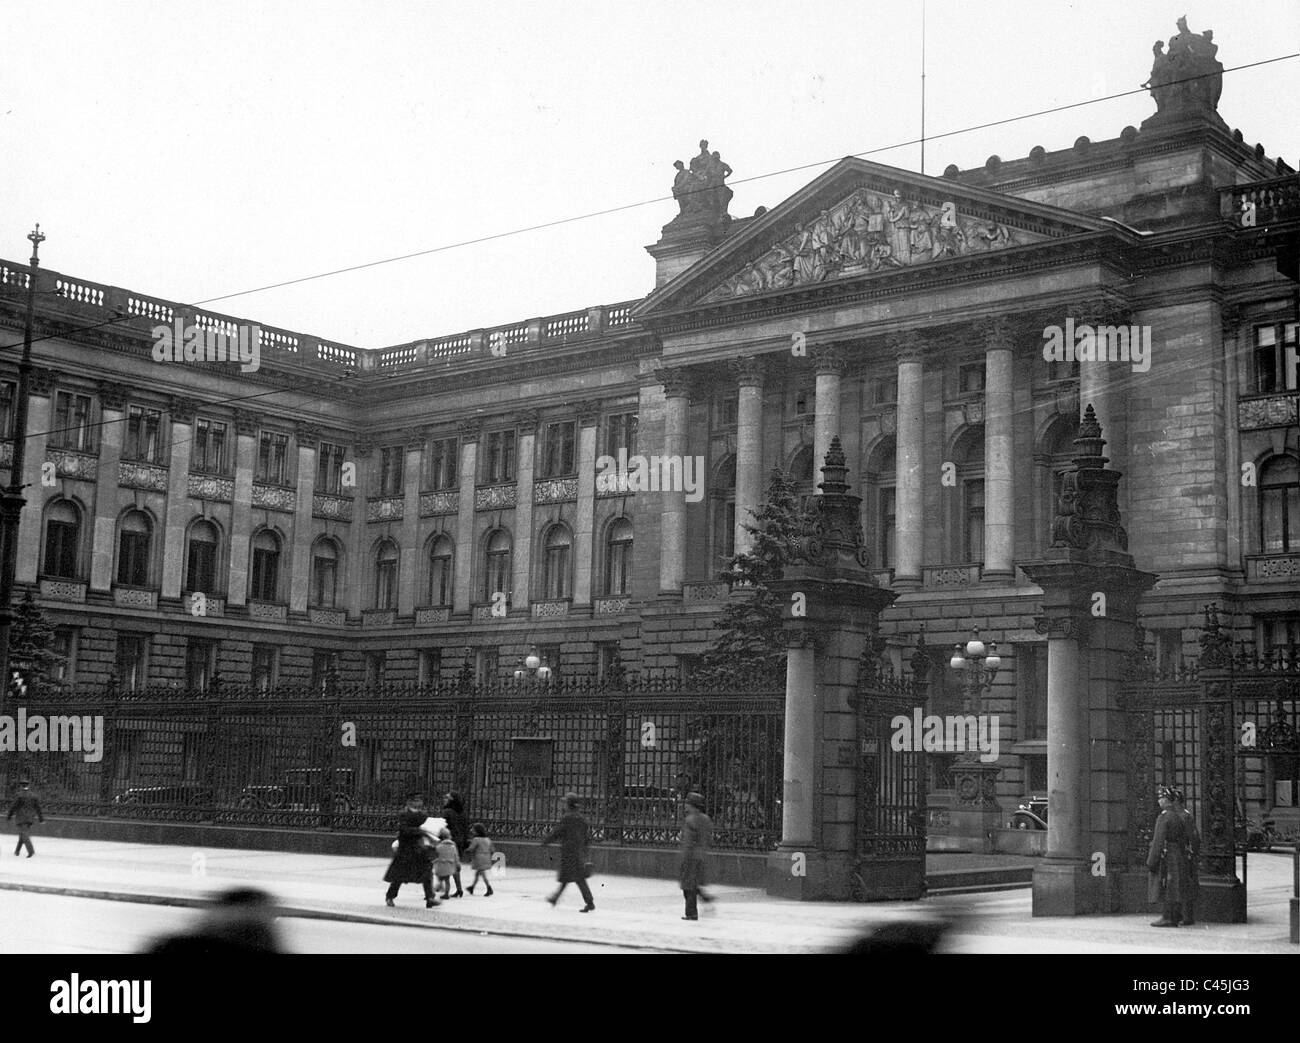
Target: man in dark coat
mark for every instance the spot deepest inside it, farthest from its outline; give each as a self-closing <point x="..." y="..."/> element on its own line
<point x="697" y="832"/>
<point x="454" y="812"/>
<point x="1193" y="857"/>
<point x="26" y="812"/>
<point x="572" y="836"/>
<point x="411" y="864"/>
<point x="1168" y="863"/>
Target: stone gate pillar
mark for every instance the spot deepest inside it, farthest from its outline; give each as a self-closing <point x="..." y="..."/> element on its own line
<point x="1090" y="594"/>
<point x="831" y="603"/>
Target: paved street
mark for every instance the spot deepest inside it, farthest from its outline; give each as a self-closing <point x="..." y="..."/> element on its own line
<point x="335" y="904"/>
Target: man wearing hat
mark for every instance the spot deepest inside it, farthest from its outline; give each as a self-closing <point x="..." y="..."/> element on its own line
<point x="1168" y="863"/>
<point x="571" y="834"/>
<point x="1193" y="857"/>
<point x="25" y="811"/>
<point x="697" y="831"/>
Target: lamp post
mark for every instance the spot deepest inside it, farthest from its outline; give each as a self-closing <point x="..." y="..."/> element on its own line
<point x="976" y="814"/>
<point x="535" y="666"/>
<point x="11" y="499"/>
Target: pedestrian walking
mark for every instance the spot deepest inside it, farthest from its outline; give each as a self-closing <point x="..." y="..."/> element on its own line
<point x="411" y="863"/>
<point x="453" y="810"/>
<point x="480" y="857"/>
<point x="1193" y="858"/>
<point x="446" y="861"/>
<point x="1169" y="877"/>
<point x="26" y="812"/>
<point x="697" y="833"/>
<point x="571" y="834"/>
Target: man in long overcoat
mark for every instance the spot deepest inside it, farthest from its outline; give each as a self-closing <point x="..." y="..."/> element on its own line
<point x="1168" y="862"/>
<point x="697" y="832"/>
<point x="1193" y="857"/>
<point x="571" y="834"/>
<point x="411" y="864"/>
<point x="25" y="811"/>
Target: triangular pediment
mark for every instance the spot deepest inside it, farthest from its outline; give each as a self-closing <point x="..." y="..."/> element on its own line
<point x="862" y="219"/>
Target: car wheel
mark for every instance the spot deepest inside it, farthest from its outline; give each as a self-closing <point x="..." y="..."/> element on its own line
<point x="1021" y="824"/>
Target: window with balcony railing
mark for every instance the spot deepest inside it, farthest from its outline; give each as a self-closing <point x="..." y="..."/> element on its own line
<point x="329" y="468"/>
<point x="557" y="449"/>
<point x="143" y="441"/>
<point x="499" y="458"/>
<point x="440" y="470"/>
<point x="72" y="414"/>
<point x="1275" y="358"/>
<point x="392" y="460"/>
<point x="272" y="458"/>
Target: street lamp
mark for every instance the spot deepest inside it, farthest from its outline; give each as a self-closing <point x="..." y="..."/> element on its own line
<point x="11" y="500"/>
<point x="979" y="667"/>
<point x="535" y="665"/>
<point x="976" y="815"/>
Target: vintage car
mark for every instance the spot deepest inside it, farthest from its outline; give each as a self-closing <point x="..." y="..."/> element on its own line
<point x="300" y="791"/>
<point x="1031" y="814"/>
<point x="177" y="793"/>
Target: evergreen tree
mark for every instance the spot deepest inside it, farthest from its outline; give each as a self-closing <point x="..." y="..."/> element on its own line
<point x="751" y="641"/>
<point x="31" y="643"/>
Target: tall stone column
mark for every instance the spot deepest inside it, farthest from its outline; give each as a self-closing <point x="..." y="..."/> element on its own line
<point x="112" y="401"/>
<point x="39" y="416"/>
<point x="585" y="518"/>
<point x="749" y="446"/>
<point x="828" y="364"/>
<point x="409" y="564"/>
<point x="909" y="496"/>
<point x="470" y="430"/>
<point x="999" y="448"/>
<point x="178" y="504"/>
<point x="241" y="515"/>
<point x="819" y="856"/>
<point x="524" y="475"/>
<point x="672" y="548"/>
<point x="355" y="594"/>
<point x="1090" y="594"/>
<point x="307" y="438"/>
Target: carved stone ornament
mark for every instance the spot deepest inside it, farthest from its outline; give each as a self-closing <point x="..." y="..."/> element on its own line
<point x="112" y="396"/>
<point x="433" y="504"/>
<point x="81" y="466"/>
<point x="1087" y="510"/>
<point x="588" y="412"/>
<point x="209" y="487"/>
<point x="182" y="410"/>
<point x="1189" y="78"/>
<point x="274" y="498"/>
<point x="832" y="531"/>
<point x="1062" y="628"/>
<point x="335" y="508"/>
<point x="676" y="381"/>
<point x="495" y="497"/>
<point x="749" y="370"/>
<point x="387" y="508"/>
<point x="306" y="435"/>
<point x="867" y="232"/>
<point x="470" y="430"/>
<point x="828" y="359"/>
<point x="555" y="490"/>
<point x="1000" y="335"/>
<point x="142" y="476"/>
<point x="701" y="189"/>
<point x="247" y="422"/>
<point x="41" y="381"/>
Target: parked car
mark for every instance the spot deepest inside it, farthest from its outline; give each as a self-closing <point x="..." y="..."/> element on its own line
<point x="300" y="790"/>
<point x="1031" y="814"/>
<point x="177" y="793"/>
<point x="652" y="802"/>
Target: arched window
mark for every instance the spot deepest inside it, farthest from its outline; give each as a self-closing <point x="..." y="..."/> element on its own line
<point x="386" y="575"/>
<point x="724" y="512"/>
<point x="496" y="573"/>
<point x="441" y="576"/>
<point x="324" y="573"/>
<point x="972" y="498"/>
<point x="618" y="557"/>
<point x="266" y="567"/>
<point x="201" y="558"/>
<point x="133" y="549"/>
<point x="62" y="540"/>
<point x="555" y="562"/>
<point x="884" y="483"/>
<point x="1279" y="506"/>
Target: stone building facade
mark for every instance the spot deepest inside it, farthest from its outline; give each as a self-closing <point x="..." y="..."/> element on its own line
<point x="386" y="513"/>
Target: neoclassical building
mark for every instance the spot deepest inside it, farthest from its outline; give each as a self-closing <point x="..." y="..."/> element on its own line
<point x="386" y="513"/>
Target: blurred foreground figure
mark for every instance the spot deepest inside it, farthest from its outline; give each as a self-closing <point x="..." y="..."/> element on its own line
<point x="239" y="922"/>
<point x="901" y="938"/>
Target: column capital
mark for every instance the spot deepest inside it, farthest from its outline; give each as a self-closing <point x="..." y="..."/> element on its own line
<point x="749" y="370"/>
<point x="363" y="449"/>
<point x="677" y="381"/>
<point x="415" y="438"/>
<point x="41" y="381"/>
<point x="182" y="410"/>
<point x="112" y="395"/>
<point x="1097" y="310"/>
<point x="908" y="346"/>
<point x="1000" y="334"/>
<point x="247" y="422"/>
<point x="1063" y="626"/>
<point x="306" y="434"/>
<point x="801" y="635"/>
<point x="526" y="421"/>
<point x="828" y="359"/>
<point x="470" y="430"/>
<point x="588" y="412"/>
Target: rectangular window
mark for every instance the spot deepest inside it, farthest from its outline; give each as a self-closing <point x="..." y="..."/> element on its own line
<point x="200" y="663"/>
<point x="1031" y="687"/>
<point x="272" y="455"/>
<point x="486" y="665"/>
<point x="264" y="667"/>
<point x="329" y="468"/>
<point x="324" y="580"/>
<point x="440" y="580"/>
<point x="970" y="378"/>
<point x="608" y="661"/>
<point x="64" y="645"/>
<point x="1275" y="358"/>
<point x="973" y="528"/>
<point x="324" y="665"/>
<point x="440" y="464"/>
<point x="886" y="526"/>
<point x="143" y="435"/>
<point x="129" y="662"/>
<point x="375" y="669"/>
<point x="886" y="391"/>
<point x="61" y="549"/>
<point x="726" y="409"/>
<point x="201" y="568"/>
<point x="805" y="401"/>
<point x="133" y="559"/>
<point x="7" y="391"/>
<point x="430" y="666"/>
<point x="557" y="452"/>
<point x="71" y="421"/>
<point x="208" y="454"/>
<point x="266" y="567"/>
<point x="1278" y="634"/>
<point x="499" y="461"/>
<point x="392" y="460"/>
<point x="386" y="583"/>
<point x="621" y="434"/>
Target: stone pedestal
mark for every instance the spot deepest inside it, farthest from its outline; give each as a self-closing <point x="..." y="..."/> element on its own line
<point x="975" y="814"/>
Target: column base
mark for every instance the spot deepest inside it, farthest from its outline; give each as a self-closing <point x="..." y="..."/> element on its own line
<point x="805" y="874"/>
<point x="1065" y="889"/>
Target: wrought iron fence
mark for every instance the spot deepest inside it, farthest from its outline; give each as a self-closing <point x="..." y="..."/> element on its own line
<point x="345" y="758"/>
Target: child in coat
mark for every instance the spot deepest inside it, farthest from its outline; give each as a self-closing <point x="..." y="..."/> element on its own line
<point x="480" y="850"/>
<point x="446" y="861"/>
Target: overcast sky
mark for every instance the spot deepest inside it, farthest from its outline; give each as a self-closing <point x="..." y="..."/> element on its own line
<point x="191" y="150"/>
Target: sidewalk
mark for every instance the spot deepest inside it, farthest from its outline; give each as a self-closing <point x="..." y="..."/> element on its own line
<point x="629" y="910"/>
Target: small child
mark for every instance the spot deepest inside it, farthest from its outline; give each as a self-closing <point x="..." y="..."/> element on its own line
<point x="480" y="850"/>
<point x="446" y="861"/>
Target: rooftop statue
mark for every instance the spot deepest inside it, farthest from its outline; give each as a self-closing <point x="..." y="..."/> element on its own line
<point x="1189" y="76"/>
<point x="702" y="189"/>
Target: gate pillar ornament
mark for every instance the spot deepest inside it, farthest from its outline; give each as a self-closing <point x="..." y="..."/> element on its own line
<point x="831" y="604"/>
<point x="1089" y="612"/>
